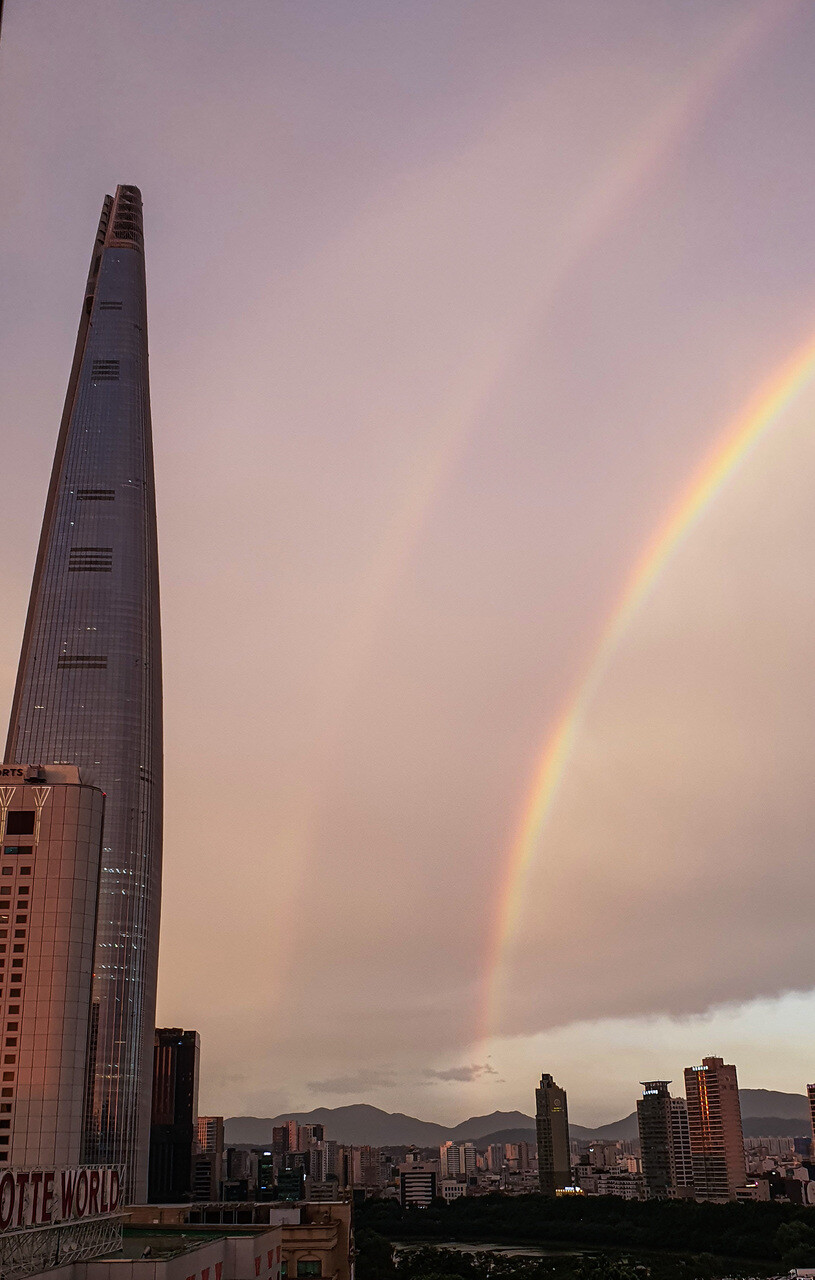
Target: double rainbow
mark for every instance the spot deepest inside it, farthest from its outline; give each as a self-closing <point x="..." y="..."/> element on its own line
<point x="762" y="412"/>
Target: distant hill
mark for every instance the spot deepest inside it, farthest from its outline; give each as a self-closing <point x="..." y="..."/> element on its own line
<point x="765" y="1112"/>
<point x="767" y="1102"/>
<point x="624" y="1130"/>
<point x="360" y="1125"/>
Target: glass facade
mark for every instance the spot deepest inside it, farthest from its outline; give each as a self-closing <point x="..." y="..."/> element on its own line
<point x="89" y="685"/>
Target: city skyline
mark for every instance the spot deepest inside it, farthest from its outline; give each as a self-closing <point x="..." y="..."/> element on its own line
<point x="440" y="340"/>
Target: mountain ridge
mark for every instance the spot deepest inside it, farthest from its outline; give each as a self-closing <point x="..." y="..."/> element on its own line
<point x="361" y="1124"/>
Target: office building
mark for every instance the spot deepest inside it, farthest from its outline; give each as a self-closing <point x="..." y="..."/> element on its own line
<point x="714" y="1121"/>
<point x="664" y="1140"/>
<point x="280" y="1139"/>
<point x="267" y="1176"/>
<point x="552" y="1126"/>
<point x="173" y="1128"/>
<point x="50" y="850"/>
<point x="417" y="1187"/>
<point x="811" y="1099"/>
<point x="450" y="1190"/>
<point x="209" y="1160"/>
<point x="88" y="690"/>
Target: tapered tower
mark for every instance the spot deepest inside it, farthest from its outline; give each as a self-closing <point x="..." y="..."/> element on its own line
<point x="88" y="689"/>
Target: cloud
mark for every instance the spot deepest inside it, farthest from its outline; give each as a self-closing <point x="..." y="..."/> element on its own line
<point x="462" y="1074"/>
<point x="356" y="1083"/>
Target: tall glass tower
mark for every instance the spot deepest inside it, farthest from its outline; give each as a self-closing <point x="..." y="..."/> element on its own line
<point x="88" y="689"/>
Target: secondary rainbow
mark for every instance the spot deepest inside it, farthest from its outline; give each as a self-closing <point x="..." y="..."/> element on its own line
<point x="762" y="412"/>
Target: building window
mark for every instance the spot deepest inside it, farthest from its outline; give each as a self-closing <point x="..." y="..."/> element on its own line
<point x="20" y="822"/>
<point x="25" y="871"/>
<point x="16" y="849"/>
<point x="305" y="1267"/>
<point x="7" y="871"/>
<point x="90" y="560"/>
<point x="95" y="495"/>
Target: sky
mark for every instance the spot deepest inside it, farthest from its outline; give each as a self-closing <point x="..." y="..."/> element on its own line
<point x="449" y="301"/>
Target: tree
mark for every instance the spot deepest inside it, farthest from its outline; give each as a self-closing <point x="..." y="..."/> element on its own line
<point x="796" y="1244"/>
<point x="374" y="1259"/>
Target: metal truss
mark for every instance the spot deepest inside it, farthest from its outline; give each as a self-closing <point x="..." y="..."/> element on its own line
<point x="27" y="1252"/>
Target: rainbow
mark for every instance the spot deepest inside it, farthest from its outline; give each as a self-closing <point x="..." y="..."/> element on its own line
<point x="735" y="445"/>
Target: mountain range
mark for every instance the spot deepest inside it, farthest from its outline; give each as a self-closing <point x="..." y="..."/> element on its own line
<point x="765" y="1113"/>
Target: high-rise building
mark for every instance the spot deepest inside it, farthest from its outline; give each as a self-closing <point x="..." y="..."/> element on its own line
<point x="173" y="1130"/>
<point x="552" y="1125"/>
<point x="307" y="1133"/>
<point x="280" y="1139"/>
<point x="210" y="1135"/>
<point x="664" y="1140"/>
<point x="457" y="1160"/>
<point x="50" y="850"/>
<point x="467" y="1160"/>
<point x="811" y="1097"/>
<point x="449" y="1160"/>
<point x="680" y="1143"/>
<point x="267" y="1176"/>
<point x="88" y="689"/>
<point x="495" y="1157"/>
<point x="209" y="1162"/>
<point x="714" y="1121"/>
<point x="365" y="1168"/>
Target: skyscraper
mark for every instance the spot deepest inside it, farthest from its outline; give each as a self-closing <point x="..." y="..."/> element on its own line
<point x="811" y="1099"/>
<point x="665" y="1141"/>
<point x="716" y="1138"/>
<point x="552" y="1125"/>
<point x="173" y="1130"/>
<point x="88" y="689"/>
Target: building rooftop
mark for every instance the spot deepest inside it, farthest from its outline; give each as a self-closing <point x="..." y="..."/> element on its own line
<point x="172" y="1241"/>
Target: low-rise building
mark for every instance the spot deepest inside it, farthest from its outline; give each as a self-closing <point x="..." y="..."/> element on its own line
<point x="449" y="1189"/>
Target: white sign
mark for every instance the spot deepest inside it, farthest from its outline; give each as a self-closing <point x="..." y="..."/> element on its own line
<point x="39" y="1197"/>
